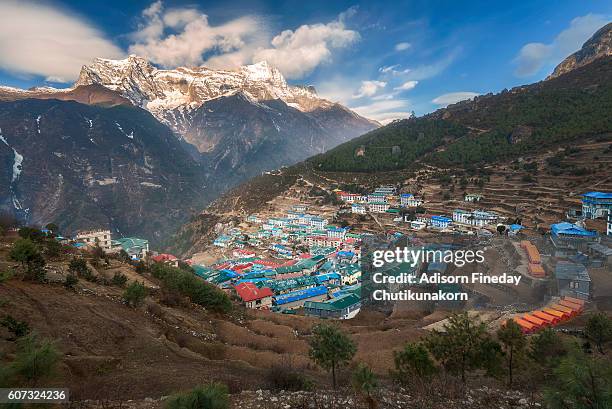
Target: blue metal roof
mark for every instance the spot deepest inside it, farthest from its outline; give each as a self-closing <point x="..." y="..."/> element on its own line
<point x="571" y="229"/>
<point x="299" y="295"/>
<point x="441" y="218"/>
<point x="321" y="278"/>
<point x="598" y="195"/>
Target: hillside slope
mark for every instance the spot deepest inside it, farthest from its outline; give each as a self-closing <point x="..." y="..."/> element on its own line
<point x="84" y="166"/>
<point x="489" y="128"/>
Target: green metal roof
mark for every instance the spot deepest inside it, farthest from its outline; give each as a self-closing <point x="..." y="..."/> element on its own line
<point x="335" y="304"/>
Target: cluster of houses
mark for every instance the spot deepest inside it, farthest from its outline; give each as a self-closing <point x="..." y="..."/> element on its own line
<point x="324" y="282"/>
<point x="310" y="265"/>
<point x="577" y="248"/>
<point x="383" y="200"/>
<point x="282" y="236"/>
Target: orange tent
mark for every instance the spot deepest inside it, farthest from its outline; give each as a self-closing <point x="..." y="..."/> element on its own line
<point x="559" y="314"/>
<point x="568" y="304"/>
<point x="535" y="320"/>
<point x="536" y="270"/>
<point x="567" y="310"/>
<point x="525" y="243"/>
<point x="533" y="254"/>
<point x="575" y="301"/>
<point x="551" y="319"/>
<point x="526" y="326"/>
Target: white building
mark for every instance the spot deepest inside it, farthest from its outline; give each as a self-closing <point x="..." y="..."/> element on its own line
<point x="318" y="222"/>
<point x="377" y="198"/>
<point x="336" y="232"/>
<point x="378" y="207"/>
<point x="478" y="218"/>
<point x="472" y="197"/>
<point x="385" y="190"/>
<point x="409" y="200"/>
<point x="101" y="238"/>
<point x="352" y="197"/>
<point x="358" y="208"/>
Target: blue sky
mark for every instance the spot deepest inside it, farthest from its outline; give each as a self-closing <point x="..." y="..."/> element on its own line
<point x="383" y="59"/>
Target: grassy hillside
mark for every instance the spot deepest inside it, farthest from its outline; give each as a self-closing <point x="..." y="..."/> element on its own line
<point x="488" y="129"/>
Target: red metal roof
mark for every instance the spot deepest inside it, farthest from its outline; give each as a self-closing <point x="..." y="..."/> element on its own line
<point x="250" y="292"/>
<point x="163" y="257"/>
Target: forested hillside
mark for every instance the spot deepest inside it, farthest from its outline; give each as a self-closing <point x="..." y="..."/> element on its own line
<point x="490" y="128"/>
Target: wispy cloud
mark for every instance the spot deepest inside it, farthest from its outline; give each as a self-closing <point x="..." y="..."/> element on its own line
<point x="38" y="39"/>
<point x="534" y="56"/>
<point x="454" y="97"/>
<point x="402" y="46"/>
<point x="406" y="86"/>
<point x="184" y="36"/>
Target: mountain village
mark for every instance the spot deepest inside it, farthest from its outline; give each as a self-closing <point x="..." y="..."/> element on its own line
<point x="304" y="257"/>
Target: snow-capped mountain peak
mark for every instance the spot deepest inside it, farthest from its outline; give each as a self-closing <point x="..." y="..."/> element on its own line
<point x="161" y="89"/>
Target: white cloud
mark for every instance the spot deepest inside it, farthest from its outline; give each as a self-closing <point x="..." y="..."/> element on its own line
<point x="369" y="88"/>
<point x="385" y="111"/>
<point x="297" y="53"/>
<point x="392" y="69"/>
<point x="184" y="36"/>
<point x="39" y="39"/>
<point x="454" y="97"/>
<point x="406" y="86"/>
<point x="402" y="46"/>
<point x="534" y="56"/>
<point x="181" y="36"/>
<point x="421" y="72"/>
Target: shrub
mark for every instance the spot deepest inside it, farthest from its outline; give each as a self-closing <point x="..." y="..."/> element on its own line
<point x="135" y="294"/>
<point x="175" y="280"/>
<point x="282" y="376"/>
<point x="599" y="330"/>
<point x="70" y="281"/>
<point x="26" y="252"/>
<point x="330" y="348"/>
<point x="119" y="279"/>
<point x="413" y="363"/>
<point x="6" y="275"/>
<point x="35" y="359"/>
<point x="212" y="396"/>
<point x="364" y="382"/>
<point x="17" y="328"/>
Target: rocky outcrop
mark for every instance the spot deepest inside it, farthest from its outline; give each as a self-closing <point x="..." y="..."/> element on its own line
<point x="599" y="45"/>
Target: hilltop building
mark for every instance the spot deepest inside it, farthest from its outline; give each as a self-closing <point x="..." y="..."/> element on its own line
<point x="409" y="200"/>
<point x="596" y="204"/>
<point x="136" y="248"/>
<point x="472" y="197"/>
<point x="101" y="238"/>
<point x="477" y="218"/>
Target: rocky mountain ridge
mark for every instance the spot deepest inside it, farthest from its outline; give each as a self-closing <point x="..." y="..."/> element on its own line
<point x="599" y="45"/>
<point x="181" y="97"/>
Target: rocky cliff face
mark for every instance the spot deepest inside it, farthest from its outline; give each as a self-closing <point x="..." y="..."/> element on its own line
<point x="599" y="45"/>
<point x="86" y="166"/>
